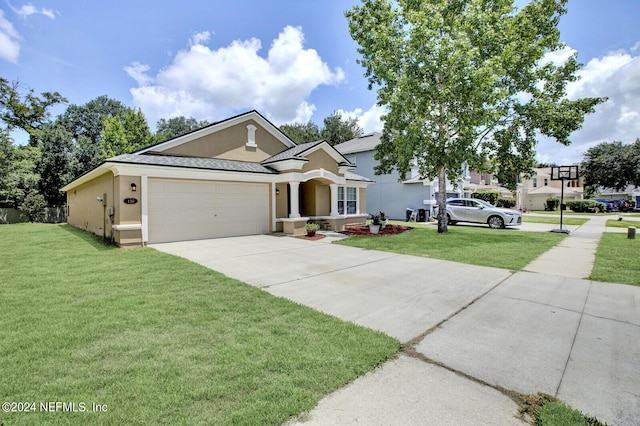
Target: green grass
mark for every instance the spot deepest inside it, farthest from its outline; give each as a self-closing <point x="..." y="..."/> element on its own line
<point x="617" y="259"/>
<point x="158" y="339"/>
<point x="565" y="220"/>
<point x="501" y="248"/>
<point x="549" y="411"/>
<point x="569" y="213"/>
<point x="615" y="223"/>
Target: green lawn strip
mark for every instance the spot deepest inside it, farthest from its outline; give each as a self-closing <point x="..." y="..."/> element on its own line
<point x="501" y="248"/>
<point x="159" y="339"/>
<point x="569" y="213"/>
<point x="615" y="223"/>
<point x="549" y="411"/>
<point x="565" y="220"/>
<point x="617" y="259"/>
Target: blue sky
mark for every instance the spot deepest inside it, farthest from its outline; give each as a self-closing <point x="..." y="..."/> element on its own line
<point x="290" y="60"/>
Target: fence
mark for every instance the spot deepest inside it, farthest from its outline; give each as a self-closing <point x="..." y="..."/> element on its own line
<point x="51" y="215"/>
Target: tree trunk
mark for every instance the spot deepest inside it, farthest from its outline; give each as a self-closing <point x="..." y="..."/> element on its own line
<point x="442" y="201"/>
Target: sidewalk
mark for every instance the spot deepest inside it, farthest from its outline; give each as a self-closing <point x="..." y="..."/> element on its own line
<point x="575" y="255"/>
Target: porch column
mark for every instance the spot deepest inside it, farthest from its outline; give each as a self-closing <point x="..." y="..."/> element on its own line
<point x="294" y="203"/>
<point x="334" y="199"/>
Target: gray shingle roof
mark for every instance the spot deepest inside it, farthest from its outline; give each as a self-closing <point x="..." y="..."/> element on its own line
<point x="192" y="163"/>
<point x="361" y="144"/>
<point x="292" y="153"/>
<point x="353" y="176"/>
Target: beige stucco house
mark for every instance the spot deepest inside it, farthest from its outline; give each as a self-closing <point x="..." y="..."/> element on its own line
<point x="240" y="176"/>
<point x="534" y="191"/>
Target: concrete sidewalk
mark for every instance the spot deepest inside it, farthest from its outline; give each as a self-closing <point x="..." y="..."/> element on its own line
<point x="472" y="334"/>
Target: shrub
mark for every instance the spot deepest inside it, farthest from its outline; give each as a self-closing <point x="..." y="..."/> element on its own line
<point x="33" y="206"/>
<point x="490" y="197"/>
<point x="586" y="206"/>
<point x="312" y="226"/>
<point x="507" y="204"/>
<point x="552" y="203"/>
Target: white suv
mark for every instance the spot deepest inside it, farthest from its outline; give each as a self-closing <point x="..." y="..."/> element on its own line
<point x="479" y="211"/>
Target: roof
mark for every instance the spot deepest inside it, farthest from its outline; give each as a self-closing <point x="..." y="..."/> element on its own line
<point x="361" y="144"/>
<point x="192" y="163"/>
<point x="292" y="153"/>
<point x="352" y="176"/>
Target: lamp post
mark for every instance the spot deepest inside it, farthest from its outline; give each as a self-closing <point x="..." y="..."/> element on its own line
<point x="563" y="173"/>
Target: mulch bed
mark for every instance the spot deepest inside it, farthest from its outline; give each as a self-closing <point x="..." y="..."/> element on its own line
<point x="364" y="230"/>
<point x="314" y="238"/>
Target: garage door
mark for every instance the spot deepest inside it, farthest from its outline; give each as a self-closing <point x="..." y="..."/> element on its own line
<point x="193" y="210"/>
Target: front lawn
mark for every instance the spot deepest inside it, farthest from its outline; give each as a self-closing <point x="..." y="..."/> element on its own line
<point x="502" y="248"/>
<point x="157" y="339"/>
<point x="615" y="223"/>
<point x="617" y="259"/>
<point x="552" y="220"/>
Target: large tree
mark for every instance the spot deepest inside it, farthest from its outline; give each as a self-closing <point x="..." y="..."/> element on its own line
<point x="302" y="132"/>
<point x="18" y="175"/>
<point x="124" y="134"/>
<point x="612" y="165"/>
<point x="176" y="126"/>
<point x="338" y="129"/>
<point x="54" y="165"/>
<point x="464" y="81"/>
<point x="28" y="112"/>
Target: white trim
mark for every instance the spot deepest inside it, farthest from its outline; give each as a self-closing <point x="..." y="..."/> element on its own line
<point x="333" y="153"/>
<point x="144" y="207"/>
<point x="251" y="135"/>
<point x="127" y="227"/>
<point x="273" y="207"/>
<point x="186" y="173"/>
<point x="311" y="174"/>
<point x="289" y="164"/>
<point x="252" y="115"/>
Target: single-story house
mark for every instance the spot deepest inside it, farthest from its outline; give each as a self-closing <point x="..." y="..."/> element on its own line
<point x="239" y="176"/>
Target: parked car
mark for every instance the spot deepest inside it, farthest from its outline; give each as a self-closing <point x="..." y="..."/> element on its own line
<point x="479" y="211"/>
<point x="611" y="205"/>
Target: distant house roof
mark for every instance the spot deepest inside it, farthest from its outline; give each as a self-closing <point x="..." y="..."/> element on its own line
<point x="361" y="144"/>
<point x="192" y="163"/>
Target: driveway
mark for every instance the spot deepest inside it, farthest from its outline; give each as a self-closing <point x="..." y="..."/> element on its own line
<point x="470" y="332"/>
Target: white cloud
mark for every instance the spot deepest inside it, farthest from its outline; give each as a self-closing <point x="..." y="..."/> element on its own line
<point x="213" y="83"/>
<point x="616" y="75"/>
<point x="369" y="120"/>
<point x="29" y="9"/>
<point x="9" y="40"/>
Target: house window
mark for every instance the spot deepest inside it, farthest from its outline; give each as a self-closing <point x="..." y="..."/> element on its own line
<point x="347" y="200"/>
<point x="535" y="182"/>
<point x="351" y="200"/>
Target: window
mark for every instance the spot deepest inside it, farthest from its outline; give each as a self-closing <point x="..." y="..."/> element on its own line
<point x="535" y="182"/>
<point x="351" y="200"/>
<point x="348" y="199"/>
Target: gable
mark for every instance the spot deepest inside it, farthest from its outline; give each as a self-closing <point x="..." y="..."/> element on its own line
<point x="246" y="137"/>
<point x="320" y="159"/>
<point x="231" y="144"/>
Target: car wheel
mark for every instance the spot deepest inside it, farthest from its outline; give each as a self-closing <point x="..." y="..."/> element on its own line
<point x="496" y="222"/>
<point x="449" y="221"/>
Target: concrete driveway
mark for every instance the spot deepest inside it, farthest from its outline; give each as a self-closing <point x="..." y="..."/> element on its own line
<point x="471" y="332"/>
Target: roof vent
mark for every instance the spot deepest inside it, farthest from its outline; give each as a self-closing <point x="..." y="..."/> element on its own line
<point x="251" y="135"/>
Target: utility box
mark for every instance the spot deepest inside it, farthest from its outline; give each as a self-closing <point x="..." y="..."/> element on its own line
<point x="631" y="232"/>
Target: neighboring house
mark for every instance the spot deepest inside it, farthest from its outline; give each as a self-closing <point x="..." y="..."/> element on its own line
<point x="534" y="191"/>
<point x="240" y="176"/>
<point x="630" y="193"/>
<point x="393" y="195"/>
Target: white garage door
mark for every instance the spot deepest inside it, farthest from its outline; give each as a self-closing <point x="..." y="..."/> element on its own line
<point x="192" y="210"/>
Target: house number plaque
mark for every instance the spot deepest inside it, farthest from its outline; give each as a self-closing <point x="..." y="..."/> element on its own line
<point x="130" y="200"/>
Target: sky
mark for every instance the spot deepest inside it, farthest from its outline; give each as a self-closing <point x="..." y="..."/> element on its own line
<point x="291" y="60"/>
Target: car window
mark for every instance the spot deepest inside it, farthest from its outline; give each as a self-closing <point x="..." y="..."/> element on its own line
<point x="456" y="202"/>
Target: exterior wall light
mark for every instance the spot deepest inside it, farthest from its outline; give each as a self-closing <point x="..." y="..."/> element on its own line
<point x="133" y="187"/>
<point x="277" y="191"/>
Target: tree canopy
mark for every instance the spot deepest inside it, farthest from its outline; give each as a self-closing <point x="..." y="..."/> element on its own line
<point x="465" y="81"/>
<point x="177" y="126"/>
<point x="123" y="134"/>
<point x="336" y="129"/>
<point x="612" y="165"/>
<point x="28" y="112"/>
